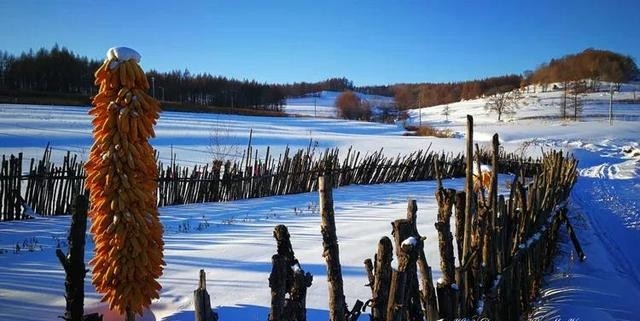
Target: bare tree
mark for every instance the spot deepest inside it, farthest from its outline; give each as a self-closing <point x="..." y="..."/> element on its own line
<point x="223" y="146"/>
<point x="564" y="100"/>
<point x="575" y="91"/>
<point x="445" y="112"/>
<point x="503" y="101"/>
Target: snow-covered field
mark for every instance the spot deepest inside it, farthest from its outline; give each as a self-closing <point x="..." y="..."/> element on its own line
<point x="196" y="138"/>
<point x="322" y="104"/>
<point x="233" y="243"/>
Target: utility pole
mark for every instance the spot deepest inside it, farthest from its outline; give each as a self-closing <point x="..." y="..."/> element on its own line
<point x="420" y="109"/>
<point x="315" y="107"/>
<point x="153" y="86"/>
<point x="162" y="92"/>
<point x="610" y="104"/>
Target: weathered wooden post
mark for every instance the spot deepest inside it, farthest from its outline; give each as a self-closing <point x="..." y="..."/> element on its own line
<point x="382" y="280"/>
<point x="572" y="235"/>
<point x="337" y="304"/>
<point x="73" y="263"/>
<point x="278" y="285"/>
<point x="460" y="217"/>
<point x="428" y="294"/>
<point x="295" y="278"/>
<point x="466" y="247"/>
<point x="413" y="295"/>
<point x="368" y="266"/>
<point x="468" y="218"/>
<point x="400" y="305"/>
<point x="202" y="301"/>
<point x="447" y="293"/>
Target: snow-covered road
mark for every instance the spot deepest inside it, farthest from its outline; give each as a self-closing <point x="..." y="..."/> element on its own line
<point x="605" y="211"/>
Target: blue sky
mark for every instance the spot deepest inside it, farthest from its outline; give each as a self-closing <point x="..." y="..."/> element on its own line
<point x="369" y="42"/>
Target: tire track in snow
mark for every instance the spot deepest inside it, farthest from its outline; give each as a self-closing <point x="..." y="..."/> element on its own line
<point x="599" y="220"/>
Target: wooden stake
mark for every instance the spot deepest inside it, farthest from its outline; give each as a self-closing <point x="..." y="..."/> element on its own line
<point x="337" y="305"/>
<point x="278" y="285"/>
<point x="572" y="235"/>
<point x="202" y="301"/>
<point x="382" y="280"/>
<point x="73" y="264"/>
<point x="428" y="294"/>
<point x="466" y="247"/>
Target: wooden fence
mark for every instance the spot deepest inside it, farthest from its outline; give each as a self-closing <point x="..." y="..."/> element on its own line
<point x="504" y="244"/>
<point x="48" y="189"/>
<point x="45" y="188"/>
<point x="294" y="173"/>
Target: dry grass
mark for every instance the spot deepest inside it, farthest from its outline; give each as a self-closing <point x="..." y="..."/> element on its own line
<point x="426" y="130"/>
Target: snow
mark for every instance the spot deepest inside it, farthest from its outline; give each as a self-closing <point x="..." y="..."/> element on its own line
<point x="196" y="137"/>
<point x="233" y="241"/>
<point x="123" y="54"/>
<point x="410" y="241"/>
<point x="480" y="308"/>
<point x="323" y="104"/>
<point x="483" y="168"/>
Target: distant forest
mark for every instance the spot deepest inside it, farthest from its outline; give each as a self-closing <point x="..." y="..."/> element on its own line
<point x="591" y="64"/>
<point x="59" y="72"/>
<point x="431" y="94"/>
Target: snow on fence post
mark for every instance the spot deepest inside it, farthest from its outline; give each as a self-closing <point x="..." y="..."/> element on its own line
<point x="295" y="279"/>
<point x="404" y="297"/>
<point x="202" y="301"/>
<point x="428" y="294"/>
<point x="446" y="289"/>
<point x="337" y="304"/>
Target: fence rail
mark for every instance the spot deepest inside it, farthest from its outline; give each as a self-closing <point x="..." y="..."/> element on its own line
<point x="48" y="189"/>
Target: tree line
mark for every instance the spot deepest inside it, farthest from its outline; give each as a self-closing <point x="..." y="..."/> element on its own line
<point x="431" y="94"/>
<point x="60" y="71"/>
<point x="591" y="64"/>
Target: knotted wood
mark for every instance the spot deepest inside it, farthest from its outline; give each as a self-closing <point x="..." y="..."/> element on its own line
<point x="382" y="280"/>
<point x="337" y="305"/>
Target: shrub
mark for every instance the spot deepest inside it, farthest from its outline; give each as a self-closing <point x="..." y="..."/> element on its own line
<point x="351" y="107"/>
<point x="426" y="130"/>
